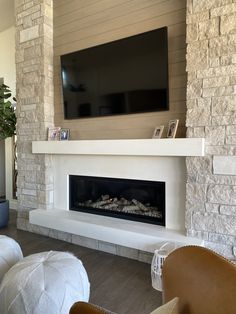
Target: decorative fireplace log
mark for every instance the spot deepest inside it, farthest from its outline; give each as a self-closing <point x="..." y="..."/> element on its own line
<point x="105" y="197"/>
<point x="140" y="205"/>
<point x="112" y="206"/>
<point x="122" y="205"/>
<point x="130" y="208"/>
<point x="99" y="204"/>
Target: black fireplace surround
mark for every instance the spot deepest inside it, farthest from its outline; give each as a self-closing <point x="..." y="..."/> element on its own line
<point x="136" y="200"/>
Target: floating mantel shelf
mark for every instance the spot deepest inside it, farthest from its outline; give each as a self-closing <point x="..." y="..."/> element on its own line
<point x="136" y="147"/>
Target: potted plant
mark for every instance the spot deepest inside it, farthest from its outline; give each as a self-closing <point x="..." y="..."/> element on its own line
<point x="7" y="129"/>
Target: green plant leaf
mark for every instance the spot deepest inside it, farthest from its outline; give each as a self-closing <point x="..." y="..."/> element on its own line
<point x="7" y="113"/>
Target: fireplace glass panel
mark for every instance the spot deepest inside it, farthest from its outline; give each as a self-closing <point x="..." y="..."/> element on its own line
<point x="136" y="200"/>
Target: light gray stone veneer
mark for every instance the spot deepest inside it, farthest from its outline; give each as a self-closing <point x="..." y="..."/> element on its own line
<point x="224" y="165"/>
<point x="211" y="113"/>
<point x="35" y="113"/>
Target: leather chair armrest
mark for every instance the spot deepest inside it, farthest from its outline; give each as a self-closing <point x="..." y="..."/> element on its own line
<point x="87" y="308"/>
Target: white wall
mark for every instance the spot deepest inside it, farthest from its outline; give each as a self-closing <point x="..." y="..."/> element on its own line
<point x="8" y="72"/>
<point x="7" y="58"/>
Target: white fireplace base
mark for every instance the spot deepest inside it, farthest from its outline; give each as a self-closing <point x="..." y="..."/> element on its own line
<point x="136" y="235"/>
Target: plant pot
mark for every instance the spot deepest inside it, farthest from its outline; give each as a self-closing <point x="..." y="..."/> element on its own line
<point x="4" y="213"/>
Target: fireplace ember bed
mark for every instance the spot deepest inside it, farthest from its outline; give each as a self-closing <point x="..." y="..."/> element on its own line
<point x="136" y="200"/>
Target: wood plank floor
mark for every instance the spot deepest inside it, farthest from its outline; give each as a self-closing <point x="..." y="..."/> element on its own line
<point x="119" y="284"/>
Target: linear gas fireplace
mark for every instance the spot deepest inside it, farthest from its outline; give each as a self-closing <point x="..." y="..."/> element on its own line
<point x="137" y="200"/>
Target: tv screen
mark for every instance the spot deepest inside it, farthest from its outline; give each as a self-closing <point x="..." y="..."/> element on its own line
<point x="122" y="77"/>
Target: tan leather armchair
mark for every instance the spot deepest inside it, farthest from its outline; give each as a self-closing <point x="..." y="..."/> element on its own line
<point x="204" y="281"/>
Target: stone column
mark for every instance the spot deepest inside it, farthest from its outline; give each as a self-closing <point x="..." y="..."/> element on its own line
<point x="211" y="113"/>
<point x="35" y="113"/>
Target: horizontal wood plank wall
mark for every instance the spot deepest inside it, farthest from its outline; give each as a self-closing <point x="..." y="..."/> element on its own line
<point x="80" y="24"/>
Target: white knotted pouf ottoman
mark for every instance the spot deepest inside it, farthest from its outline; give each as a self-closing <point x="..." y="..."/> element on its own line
<point x="10" y="254"/>
<point x="44" y="283"/>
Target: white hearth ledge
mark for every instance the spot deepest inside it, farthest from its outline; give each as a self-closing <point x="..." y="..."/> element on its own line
<point x="140" y="236"/>
<point x="136" y="147"/>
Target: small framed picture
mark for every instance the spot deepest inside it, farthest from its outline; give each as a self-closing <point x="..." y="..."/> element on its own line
<point x="64" y="134"/>
<point x="172" y="128"/>
<point x="158" y="131"/>
<point x="54" y="134"/>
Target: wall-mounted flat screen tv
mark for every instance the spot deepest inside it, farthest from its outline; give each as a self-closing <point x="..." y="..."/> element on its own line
<point x="122" y="77"/>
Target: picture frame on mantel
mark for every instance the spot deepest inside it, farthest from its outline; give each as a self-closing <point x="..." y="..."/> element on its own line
<point x="158" y="131"/>
<point x="64" y="134"/>
<point x="54" y="133"/>
<point x="172" y="128"/>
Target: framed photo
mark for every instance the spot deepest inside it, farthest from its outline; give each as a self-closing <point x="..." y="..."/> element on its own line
<point x="172" y="128"/>
<point x="53" y="133"/>
<point x="158" y="131"/>
<point x="64" y="134"/>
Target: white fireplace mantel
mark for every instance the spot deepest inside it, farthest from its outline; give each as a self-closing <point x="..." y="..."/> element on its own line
<point x="139" y="159"/>
<point x="135" y="147"/>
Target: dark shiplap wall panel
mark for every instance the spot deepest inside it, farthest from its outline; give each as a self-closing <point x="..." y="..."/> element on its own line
<point x="79" y="24"/>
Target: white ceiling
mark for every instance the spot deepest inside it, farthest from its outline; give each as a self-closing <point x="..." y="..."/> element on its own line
<point x="6" y="14"/>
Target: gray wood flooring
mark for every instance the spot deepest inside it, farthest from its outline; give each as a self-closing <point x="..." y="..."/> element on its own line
<point x="119" y="284"/>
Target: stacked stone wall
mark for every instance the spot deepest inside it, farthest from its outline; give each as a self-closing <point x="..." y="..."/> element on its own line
<point x="35" y="108"/>
<point x="211" y="113"/>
